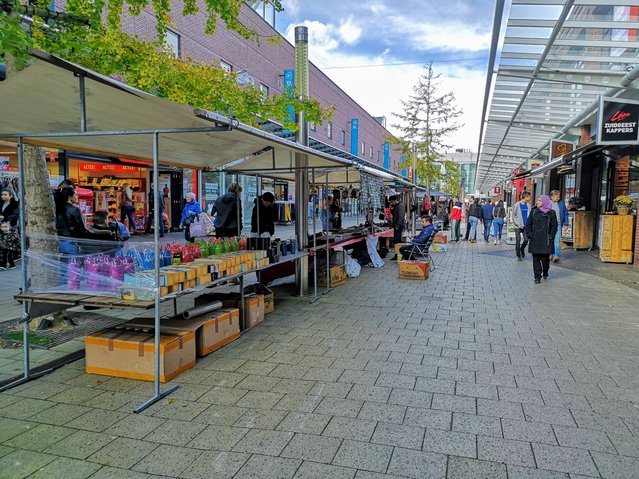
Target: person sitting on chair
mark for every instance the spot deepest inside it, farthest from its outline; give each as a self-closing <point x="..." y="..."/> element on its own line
<point x="421" y="239"/>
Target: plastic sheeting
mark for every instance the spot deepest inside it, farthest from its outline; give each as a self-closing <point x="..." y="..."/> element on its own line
<point x="353" y="268"/>
<point x="371" y="246"/>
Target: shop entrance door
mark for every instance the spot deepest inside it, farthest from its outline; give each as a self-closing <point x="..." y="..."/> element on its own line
<point x="177" y="198"/>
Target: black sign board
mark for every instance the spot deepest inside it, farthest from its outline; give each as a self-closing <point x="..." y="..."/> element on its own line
<point x="618" y="122"/>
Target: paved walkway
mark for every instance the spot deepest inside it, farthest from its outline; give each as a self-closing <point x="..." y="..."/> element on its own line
<point x="475" y="373"/>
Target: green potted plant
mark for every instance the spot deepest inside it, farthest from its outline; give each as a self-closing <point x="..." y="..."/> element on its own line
<point x="623" y="204"/>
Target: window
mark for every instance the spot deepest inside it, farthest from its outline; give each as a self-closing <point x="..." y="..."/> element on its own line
<point x="264" y="90"/>
<point x="329" y="130"/>
<point x="173" y="43"/>
<point x="343" y="137"/>
<point x="312" y="126"/>
<point x="370" y="151"/>
<point x="363" y="150"/>
<point x="227" y="67"/>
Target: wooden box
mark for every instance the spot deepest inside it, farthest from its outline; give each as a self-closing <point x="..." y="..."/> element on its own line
<point x="616" y="238"/>
<point x="583" y="229"/>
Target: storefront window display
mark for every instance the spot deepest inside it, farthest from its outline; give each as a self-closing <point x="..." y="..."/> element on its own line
<point x="569" y="186"/>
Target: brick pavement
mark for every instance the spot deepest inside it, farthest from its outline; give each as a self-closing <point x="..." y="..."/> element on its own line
<point x="475" y="373"/>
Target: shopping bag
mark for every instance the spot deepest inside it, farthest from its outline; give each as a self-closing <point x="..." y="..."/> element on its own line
<point x="202" y="225"/>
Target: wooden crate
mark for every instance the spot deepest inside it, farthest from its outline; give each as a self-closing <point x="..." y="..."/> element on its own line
<point x="583" y="229"/>
<point x="616" y="239"/>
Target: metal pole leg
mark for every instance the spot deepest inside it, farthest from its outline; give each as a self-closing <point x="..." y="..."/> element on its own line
<point x="328" y="249"/>
<point x="157" y="394"/>
<point x="315" y="296"/>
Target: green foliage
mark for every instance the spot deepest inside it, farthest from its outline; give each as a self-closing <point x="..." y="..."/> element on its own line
<point x="13" y="39"/>
<point x="149" y="65"/>
<point x="451" y="178"/>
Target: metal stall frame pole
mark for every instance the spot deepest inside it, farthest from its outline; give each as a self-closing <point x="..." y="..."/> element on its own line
<point x="258" y="192"/>
<point x="315" y="297"/>
<point x="157" y="394"/>
<point x="241" y="278"/>
<point x="328" y="249"/>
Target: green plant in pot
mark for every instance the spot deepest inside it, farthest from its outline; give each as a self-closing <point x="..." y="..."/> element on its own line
<point x="623" y="204"/>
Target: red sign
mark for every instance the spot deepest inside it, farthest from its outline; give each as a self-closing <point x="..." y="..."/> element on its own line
<point x="108" y="168"/>
<point x="497" y="190"/>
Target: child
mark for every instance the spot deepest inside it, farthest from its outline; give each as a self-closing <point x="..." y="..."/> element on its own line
<point x="9" y="246"/>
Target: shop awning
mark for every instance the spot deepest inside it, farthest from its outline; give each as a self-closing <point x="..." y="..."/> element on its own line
<point x="44" y="101"/>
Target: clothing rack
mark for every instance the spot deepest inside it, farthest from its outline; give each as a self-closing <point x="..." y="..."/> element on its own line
<point x="284" y="212"/>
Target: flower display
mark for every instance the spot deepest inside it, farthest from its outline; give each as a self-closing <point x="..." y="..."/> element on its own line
<point x="623" y="201"/>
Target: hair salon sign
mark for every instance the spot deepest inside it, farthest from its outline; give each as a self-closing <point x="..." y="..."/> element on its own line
<point x="618" y="122"/>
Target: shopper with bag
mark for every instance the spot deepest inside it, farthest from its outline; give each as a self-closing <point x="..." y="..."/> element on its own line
<point x="228" y="213"/>
<point x="499" y="218"/>
<point x="520" y="218"/>
<point x="541" y="228"/>
<point x="189" y="214"/>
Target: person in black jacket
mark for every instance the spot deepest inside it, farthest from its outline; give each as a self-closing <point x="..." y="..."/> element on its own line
<point x="225" y="210"/>
<point x="70" y="224"/>
<point x="263" y="210"/>
<point x="9" y="209"/>
<point x="540" y="229"/>
<point x="474" y="215"/>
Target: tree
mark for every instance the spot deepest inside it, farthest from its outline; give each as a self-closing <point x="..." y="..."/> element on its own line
<point x="451" y="178"/>
<point x="428" y="118"/>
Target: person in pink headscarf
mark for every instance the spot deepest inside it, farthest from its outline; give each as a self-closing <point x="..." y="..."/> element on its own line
<point x="540" y="229"/>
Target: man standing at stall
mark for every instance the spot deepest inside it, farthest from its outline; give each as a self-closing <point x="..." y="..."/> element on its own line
<point x="559" y="207"/>
<point x="228" y="213"/>
<point x="399" y="220"/>
<point x="262" y="218"/>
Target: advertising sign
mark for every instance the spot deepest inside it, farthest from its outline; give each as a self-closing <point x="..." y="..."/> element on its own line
<point x="497" y="190"/>
<point x="560" y="148"/>
<point x="618" y="122"/>
<point x="354" y="136"/>
<point x="108" y="168"/>
<point x="289" y="88"/>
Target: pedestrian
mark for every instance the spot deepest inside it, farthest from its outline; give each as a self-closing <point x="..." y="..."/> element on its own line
<point x="227" y="210"/>
<point x="190" y="212"/>
<point x="127" y="209"/>
<point x="466" y="208"/>
<point x="9" y="208"/>
<point x="474" y="215"/>
<point x="455" y="217"/>
<point x="262" y="216"/>
<point x="541" y="228"/>
<point x="399" y="220"/>
<point x="560" y="209"/>
<point x="520" y="217"/>
<point x="487" y="218"/>
<point x="424" y="208"/>
<point x="150" y="218"/>
<point x="499" y="215"/>
<point x="421" y="239"/>
<point x="9" y="246"/>
<point x="325" y="213"/>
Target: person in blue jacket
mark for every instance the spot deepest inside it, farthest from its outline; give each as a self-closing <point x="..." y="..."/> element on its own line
<point x="487" y="217"/>
<point x="420" y="239"/>
<point x="191" y="209"/>
<point x="560" y="209"/>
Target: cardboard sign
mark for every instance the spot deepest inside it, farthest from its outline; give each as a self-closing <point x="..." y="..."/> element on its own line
<point x="414" y="270"/>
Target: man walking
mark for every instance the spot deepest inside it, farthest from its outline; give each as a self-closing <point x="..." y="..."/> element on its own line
<point x="487" y="216"/>
<point x="474" y="215"/>
<point x="559" y="207"/>
<point x="399" y="220"/>
<point x="455" y="217"/>
<point x="471" y="200"/>
<point x="521" y="210"/>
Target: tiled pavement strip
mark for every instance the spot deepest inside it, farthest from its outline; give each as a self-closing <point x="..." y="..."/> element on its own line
<point x="475" y="373"/>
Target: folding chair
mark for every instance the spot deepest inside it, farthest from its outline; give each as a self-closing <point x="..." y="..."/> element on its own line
<point x="422" y="250"/>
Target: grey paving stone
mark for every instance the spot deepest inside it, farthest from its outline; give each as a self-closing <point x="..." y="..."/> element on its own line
<point x="181" y="410"/>
<point x="300" y="402"/>
<point x="447" y="402"/>
<point x="564" y="459"/>
<point x="584" y="439"/>
<point x="398" y="435"/>
<point x="261" y="419"/>
<point x="417" y="464"/>
<point x="135" y="426"/>
<point x="312" y="448"/>
<point x="451" y="443"/>
<point x="96" y="420"/>
<point x="220" y="438"/>
<point x="476" y="390"/>
<point x="396" y="381"/>
<point x="293" y="386"/>
<point x="506" y="451"/>
<point x="349" y="428"/>
<point x="40" y="437"/>
<point x="430" y="418"/>
<point x="270" y="443"/>
<point x="175" y="433"/>
<point x="339" y="407"/>
<point x="455" y="374"/>
<point x="571" y="401"/>
<point x="307" y="423"/>
<point x="382" y="412"/>
<point x="12" y="427"/>
<point x="369" y="393"/>
<point x="423" y="370"/>
<point x="444" y="386"/>
<point x="21" y="463"/>
<point x="521" y="395"/>
<point x="259" y="467"/>
<point x="551" y="415"/>
<point x="123" y="452"/>
<point x="37" y="390"/>
<point x="600" y="422"/>
<point x="76" y="395"/>
<point x="359" y="377"/>
<point x="106" y="472"/>
<point x="25" y="408"/>
<point x="223" y="396"/>
<point x="520" y="472"/>
<point x="255" y="368"/>
<point x="465" y="468"/>
<point x="362" y="455"/>
<point x="259" y="383"/>
<point x="528" y="431"/>
<point x="259" y="400"/>
<point x="480" y="425"/>
<point x="540" y="384"/>
<point x="215" y="464"/>
<point x="80" y="444"/>
<point x="625" y="445"/>
<point x="617" y="467"/>
<point x="496" y="379"/>
<point x="168" y="460"/>
<point x="332" y="389"/>
<point x="406" y="397"/>
<point x="314" y="470"/>
<point x="323" y="374"/>
<point x="4" y="450"/>
<point x="66" y="468"/>
<point x="221" y="415"/>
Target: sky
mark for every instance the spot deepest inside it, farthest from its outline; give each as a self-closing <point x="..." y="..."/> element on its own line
<point x="368" y="47"/>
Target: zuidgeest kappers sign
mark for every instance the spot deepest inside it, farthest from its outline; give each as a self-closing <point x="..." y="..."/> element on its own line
<point x="618" y="122"/>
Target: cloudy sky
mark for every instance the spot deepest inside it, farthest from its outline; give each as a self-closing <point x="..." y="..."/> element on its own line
<point x="368" y="47"/>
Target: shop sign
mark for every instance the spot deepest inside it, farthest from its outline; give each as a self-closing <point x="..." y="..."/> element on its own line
<point x="560" y="148"/>
<point x="497" y="190"/>
<point x="533" y="164"/>
<point x="618" y="122"/>
<point x="108" y="168"/>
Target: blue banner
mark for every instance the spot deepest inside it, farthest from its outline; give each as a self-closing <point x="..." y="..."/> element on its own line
<point x="403" y="169"/>
<point x="289" y="87"/>
<point x="386" y="155"/>
<point x="354" y="137"/>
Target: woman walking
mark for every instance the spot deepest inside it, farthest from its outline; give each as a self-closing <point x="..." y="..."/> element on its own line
<point x="127" y="209"/>
<point x="499" y="213"/>
<point x="190" y="212"/>
<point x="540" y="229"/>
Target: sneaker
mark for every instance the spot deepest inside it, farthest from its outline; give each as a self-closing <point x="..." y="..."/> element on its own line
<point x="537" y="281"/>
<point x="498" y="241"/>
<point x="545" y="276"/>
<point x="2" y="268"/>
<point x="555" y="259"/>
<point x="12" y="267"/>
<point x="495" y="242"/>
<point x="519" y="258"/>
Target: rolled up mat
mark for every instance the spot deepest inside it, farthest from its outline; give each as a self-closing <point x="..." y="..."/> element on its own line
<point x="200" y="310"/>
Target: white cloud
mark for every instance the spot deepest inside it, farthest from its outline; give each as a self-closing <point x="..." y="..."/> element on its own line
<point x="349" y="32"/>
<point x="292" y="7"/>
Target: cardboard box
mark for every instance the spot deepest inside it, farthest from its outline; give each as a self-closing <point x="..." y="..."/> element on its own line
<point x="267" y="293"/>
<point x="212" y="330"/>
<point x="440" y="238"/>
<point x="440" y="248"/>
<point x="253" y="308"/>
<point x="399" y="245"/>
<point x="413" y="269"/>
<point x="126" y="354"/>
<point x="337" y="276"/>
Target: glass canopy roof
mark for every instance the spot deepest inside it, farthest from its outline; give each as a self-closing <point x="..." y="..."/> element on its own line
<point x="554" y="58"/>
